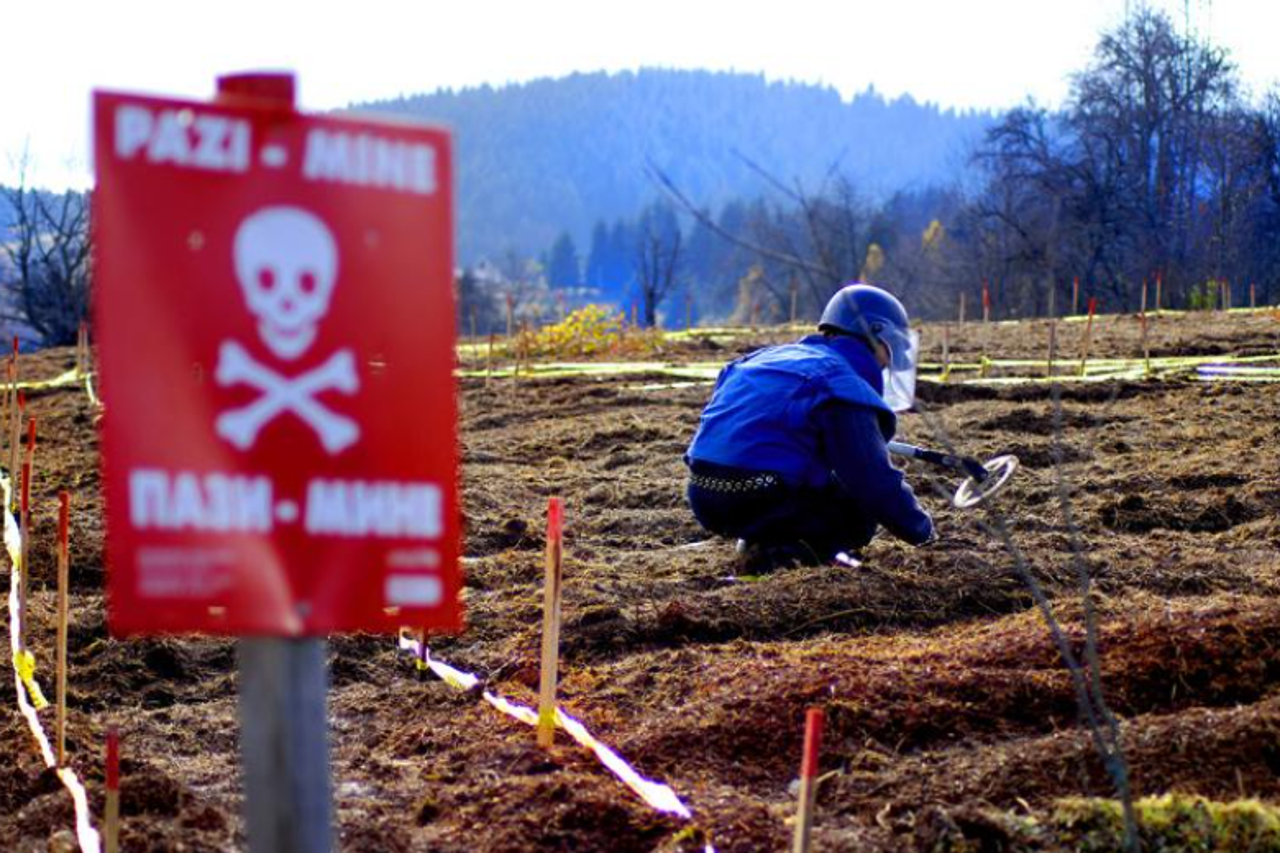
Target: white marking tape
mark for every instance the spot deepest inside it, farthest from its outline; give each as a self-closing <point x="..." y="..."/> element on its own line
<point x="88" y="389"/>
<point x="86" y="835"/>
<point x="657" y="795"/>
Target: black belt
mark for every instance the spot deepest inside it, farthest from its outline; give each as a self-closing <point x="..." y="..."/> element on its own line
<point x="755" y="483"/>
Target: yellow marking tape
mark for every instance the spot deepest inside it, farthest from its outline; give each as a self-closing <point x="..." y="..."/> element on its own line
<point x="25" y="664"/>
<point x="86" y="835"/>
<point x="657" y="795"/>
<point x="71" y="377"/>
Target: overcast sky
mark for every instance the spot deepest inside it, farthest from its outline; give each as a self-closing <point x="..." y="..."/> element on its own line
<point x="980" y="53"/>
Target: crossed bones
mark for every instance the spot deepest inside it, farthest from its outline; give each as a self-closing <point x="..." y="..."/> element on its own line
<point x="280" y="394"/>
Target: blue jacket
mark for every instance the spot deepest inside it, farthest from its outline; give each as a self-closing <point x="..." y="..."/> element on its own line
<point x="809" y="411"/>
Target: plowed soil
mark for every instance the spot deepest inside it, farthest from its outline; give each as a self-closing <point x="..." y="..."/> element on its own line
<point x="944" y="693"/>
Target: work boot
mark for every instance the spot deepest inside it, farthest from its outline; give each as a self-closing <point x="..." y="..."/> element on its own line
<point x="757" y="558"/>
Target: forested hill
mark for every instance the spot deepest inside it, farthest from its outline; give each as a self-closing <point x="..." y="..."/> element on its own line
<point x="542" y="157"/>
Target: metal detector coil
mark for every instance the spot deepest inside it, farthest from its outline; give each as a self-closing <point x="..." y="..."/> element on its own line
<point x="974" y="491"/>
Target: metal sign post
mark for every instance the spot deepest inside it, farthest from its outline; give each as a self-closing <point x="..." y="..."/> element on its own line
<point x="284" y="745"/>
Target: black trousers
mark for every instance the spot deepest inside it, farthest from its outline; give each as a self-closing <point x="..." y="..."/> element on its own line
<point x="825" y="520"/>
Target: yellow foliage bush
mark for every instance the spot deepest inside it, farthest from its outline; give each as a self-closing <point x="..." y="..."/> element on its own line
<point x="590" y="330"/>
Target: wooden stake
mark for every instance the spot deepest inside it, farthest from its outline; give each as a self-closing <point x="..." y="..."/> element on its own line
<point x="10" y="406"/>
<point x="1144" y="298"/>
<point x="24" y="523"/>
<point x="1159" y="286"/>
<point x="1075" y="297"/>
<point x="1053" y="346"/>
<point x="946" y="352"/>
<point x="111" y="818"/>
<point x="755" y="313"/>
<point x="1088" y="334"/>
<point x="813" y="720"/>
<point x="550" y="625"/>
<point x="488" y="367"/>
<point x="986" y="329"/>
<point x="1146" y="349"/>
<point x="15" y="433"/>
<point x="82" y="349"/>
<point x="1053" y="294"/>
<point x="64" y="571"/>
<point x="421" y="664"/>
<point x="962" y="309"/>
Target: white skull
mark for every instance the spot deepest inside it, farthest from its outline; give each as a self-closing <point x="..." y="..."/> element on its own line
<point x="287" y="262"/>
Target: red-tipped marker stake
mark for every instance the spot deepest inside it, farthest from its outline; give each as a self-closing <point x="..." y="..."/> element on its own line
<point x="24" y="521"/>
<point x="111" y="819"/>
<point x="551" y="624"/>
<point x="813" y="721"/>
<point x="1088" y="334"/>
<point x="64" y="563"/>
<point x="26" y="499"/>
<point x="986" y="302"/>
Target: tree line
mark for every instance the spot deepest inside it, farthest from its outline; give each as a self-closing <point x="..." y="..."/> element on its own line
<point x="1158" y="166"/>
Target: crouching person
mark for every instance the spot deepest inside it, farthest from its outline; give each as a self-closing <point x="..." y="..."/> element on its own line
<point x="791" y="454"/>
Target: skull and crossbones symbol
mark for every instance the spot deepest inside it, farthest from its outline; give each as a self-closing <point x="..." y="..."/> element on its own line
<point x="286" y="261"/>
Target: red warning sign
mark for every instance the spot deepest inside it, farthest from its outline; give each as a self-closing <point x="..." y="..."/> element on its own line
<point x="274" y="311"/>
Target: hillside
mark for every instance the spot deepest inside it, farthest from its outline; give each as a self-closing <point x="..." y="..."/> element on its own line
<point x="551" y="155"/>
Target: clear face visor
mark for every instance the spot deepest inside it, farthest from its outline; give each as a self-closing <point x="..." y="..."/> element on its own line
<point x="900" y="375"/>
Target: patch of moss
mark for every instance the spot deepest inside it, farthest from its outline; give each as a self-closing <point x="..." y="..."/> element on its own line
<point x="1169" y="824"/>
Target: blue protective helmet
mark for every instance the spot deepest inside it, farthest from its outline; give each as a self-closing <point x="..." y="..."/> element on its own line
<point x="867" y="312"/>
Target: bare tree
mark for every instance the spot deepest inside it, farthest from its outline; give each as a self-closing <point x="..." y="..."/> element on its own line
<point x="818" y="239"/>
<point x="657" y="258"/>
<point x="1143" y="171"/>
<point x="48" y="250"/>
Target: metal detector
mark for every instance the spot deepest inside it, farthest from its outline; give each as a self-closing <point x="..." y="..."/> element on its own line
<point x="983" y="479"/>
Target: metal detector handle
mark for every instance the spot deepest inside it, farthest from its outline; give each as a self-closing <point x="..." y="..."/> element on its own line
<point x="969" y="467"/>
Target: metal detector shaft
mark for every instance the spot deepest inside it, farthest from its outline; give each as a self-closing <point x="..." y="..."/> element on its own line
<point x="969" y="467"/>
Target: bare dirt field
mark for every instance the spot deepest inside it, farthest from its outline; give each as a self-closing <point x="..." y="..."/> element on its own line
<point x="949" y="710"/>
